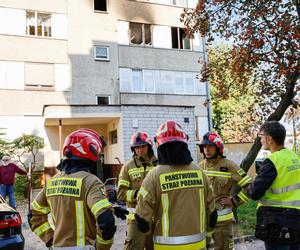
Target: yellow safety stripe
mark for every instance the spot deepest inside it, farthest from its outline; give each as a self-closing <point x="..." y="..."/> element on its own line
<point x="42" y="228"/>
<point x="124" y="183"/>
<point x="52" y="214"/>
<point x="135" y="170"/>
<point x="165" y="215"/>
<point x="202" y="210"/>
<point x="243" y="197"/>
<point x="100" y="205"/>
<point x="131" y="216"/>
<point x="104" y="242"/>
<point x="80" y="223"/>
<point x="244" y="181"/>
<point x="209" y="234"/>
<point x="148" y="169"/>
<point x="193" y="246"/>
<point x="143" y="192"/>
<point x="217" y="174"/>
<point x="129" y="195"/>
<point x="37" y="207"/>
<point x="225" y="217"/>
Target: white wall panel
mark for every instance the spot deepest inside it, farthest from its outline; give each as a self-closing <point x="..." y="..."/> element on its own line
<point x="62" y="79"/>
<point x="59" y="25"/>
<point x="162" y="37"/>
<point x="12" y="21"/>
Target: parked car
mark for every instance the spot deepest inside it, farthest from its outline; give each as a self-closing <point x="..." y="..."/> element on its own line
<point x="11" y="237"/>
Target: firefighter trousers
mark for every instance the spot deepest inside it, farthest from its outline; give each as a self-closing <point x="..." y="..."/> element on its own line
<point x="136" y="240"/>
<point x="222" y="236"/>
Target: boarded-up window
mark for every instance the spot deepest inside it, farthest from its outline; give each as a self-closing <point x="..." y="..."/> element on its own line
<point x="39" y="75"/>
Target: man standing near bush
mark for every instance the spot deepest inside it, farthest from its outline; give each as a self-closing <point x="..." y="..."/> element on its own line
<point x="277" y="188"/>
<point x="7" y="177"/>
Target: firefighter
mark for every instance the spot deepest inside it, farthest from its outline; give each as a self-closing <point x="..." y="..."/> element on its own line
<point x="130" y="181"/>
<point x="176" y="194"/>
<point x="75" y="198"/>
<point x="222" y="174"/>
<point x="277" y="188"/>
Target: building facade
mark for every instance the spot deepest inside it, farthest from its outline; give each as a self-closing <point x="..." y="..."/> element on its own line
<point x="115" y="66"/>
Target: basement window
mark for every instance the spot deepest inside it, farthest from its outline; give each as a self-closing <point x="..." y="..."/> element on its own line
<point x="100" y="5"/>
<point x="103" y="100"/>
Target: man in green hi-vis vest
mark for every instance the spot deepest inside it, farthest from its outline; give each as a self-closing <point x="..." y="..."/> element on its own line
<point x="277" y="189"/>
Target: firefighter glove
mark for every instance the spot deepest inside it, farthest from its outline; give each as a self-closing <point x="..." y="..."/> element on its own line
<point x="142" y="224"/>
<point x="106" y="222"/>
<point x="120" y="212"/>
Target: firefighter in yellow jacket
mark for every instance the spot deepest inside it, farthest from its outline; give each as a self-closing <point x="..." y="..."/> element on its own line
<point x="75" y="199"/>
<point x="130" y="181"/>
<point x="176" y="194"/>
<point x="222" y="174"/>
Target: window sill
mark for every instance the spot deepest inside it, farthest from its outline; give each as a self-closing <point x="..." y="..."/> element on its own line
<point x="151" y="47"/>
<point x="39" y="88"/>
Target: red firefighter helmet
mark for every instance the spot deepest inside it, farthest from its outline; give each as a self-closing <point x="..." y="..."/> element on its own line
<point x="170" y="131"/>
<point x="140" y="139"/>
<point x="83" y="143"/>
<point x="212" y="138"/>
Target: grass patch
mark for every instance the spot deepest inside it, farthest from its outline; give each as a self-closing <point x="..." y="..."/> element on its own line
<point x="247" y="219"/>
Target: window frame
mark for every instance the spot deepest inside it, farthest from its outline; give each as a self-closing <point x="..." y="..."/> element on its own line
<point x="101" y="59"/>
<point x="36" y="24"/>
<point x="143" y="35"/>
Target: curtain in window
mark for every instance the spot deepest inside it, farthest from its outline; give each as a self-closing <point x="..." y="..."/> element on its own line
<point x="30" y="23"/>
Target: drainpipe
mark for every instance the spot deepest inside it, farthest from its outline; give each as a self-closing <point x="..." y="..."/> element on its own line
<point x="209" y="113"/>
<point x="60" y="138"/>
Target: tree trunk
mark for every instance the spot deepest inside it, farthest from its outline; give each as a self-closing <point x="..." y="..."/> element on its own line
<point x="285" y="102"/>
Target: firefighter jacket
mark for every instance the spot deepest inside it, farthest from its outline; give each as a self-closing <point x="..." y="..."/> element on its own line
<point x="130" y="180"/>
<point x="222" y="175"/>
<point x="180" y="201"/>
<point x="75" y="201"/>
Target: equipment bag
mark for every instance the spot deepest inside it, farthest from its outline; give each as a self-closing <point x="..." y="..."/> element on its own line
<point x="278" y="225"/>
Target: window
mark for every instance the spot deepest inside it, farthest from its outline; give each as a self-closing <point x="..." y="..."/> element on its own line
<point x="35" y="80"/>
<point x="179" y="39"/>
<point x="101" y="53"/>
<point x="160" y="82"/>
<point x="140" y="34"/>
<point x="100" y="5"/>
<point x="137" y="80"/>
<point x="114" y="137"/>
<point x="38" y="24"/>
<point x="103" y="100"/>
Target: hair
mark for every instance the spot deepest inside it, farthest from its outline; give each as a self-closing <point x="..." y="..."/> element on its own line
<point x="276" y="130"/>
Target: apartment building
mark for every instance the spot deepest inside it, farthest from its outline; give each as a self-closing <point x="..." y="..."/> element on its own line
<point x="115" y="66"/>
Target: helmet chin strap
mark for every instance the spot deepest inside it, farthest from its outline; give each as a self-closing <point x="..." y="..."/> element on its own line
<point x="216" y="155"/>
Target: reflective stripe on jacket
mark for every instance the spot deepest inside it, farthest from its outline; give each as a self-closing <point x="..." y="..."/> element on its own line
<point x="74" y="201"/>
<point x="223" y="174"/>
<point x="285" y="189"/>
<point x="180" y="201"/>
<point x="130" y="180"/>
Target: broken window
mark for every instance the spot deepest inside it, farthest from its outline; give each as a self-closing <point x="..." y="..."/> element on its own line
<point x="179" y="39"/>
<point x="100" y="5"/>
<point x="140" y="33"/>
